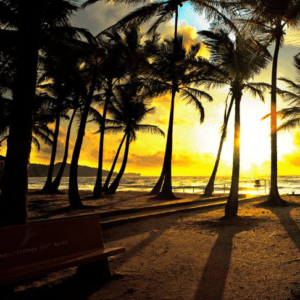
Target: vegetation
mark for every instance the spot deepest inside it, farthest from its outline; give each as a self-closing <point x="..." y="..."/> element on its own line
<point x="112" y="78"/>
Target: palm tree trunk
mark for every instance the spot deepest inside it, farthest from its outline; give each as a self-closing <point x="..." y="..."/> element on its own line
<point x="210" y="186"/>
<point x="156" y="189"/>
<point x="105" y="186"/>
<point x="74" y="197"/>
<point x="166" y="191"/>
<point x="232" y="201"/>
<point x="164" y="184"/>
<point x="98" y="185"/>
<point x="56" y="182"/>
<point x="47" y="186"/>
<point x="113" y="187"/>
<point x="274" y="198"/>
<point x="13" y="201"/>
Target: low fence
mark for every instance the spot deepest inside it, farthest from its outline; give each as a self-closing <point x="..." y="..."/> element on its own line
<point x="256" y="185"/>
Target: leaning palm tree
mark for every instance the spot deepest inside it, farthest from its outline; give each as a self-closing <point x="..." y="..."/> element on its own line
<point x="24" y="19"/>
<point x="210" y="185"/>
<point x="238" y="61"/>
<point x="97" y="119"/>
<point x="56" y="182"/>
<point x="273" y="17"/>
<point x="129" y="108"/>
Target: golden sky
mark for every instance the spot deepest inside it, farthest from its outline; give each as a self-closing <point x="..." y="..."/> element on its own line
<point x="194" y="145"/>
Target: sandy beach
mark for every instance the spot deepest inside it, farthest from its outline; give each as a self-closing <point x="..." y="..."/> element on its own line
<point x="192" y="255"/>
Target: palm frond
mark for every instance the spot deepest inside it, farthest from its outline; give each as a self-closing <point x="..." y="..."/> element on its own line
<point x="194" y="101"/>
<point x="153" y="129"/>
<point x="90" y="2"/>
<point x="254" y="91"/>
<point x="291" y="124"/>
<point x="35" y="141"/>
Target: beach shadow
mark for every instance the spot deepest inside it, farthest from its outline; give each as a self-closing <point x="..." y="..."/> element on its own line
<point x="284" y="216"/>
<point x="138" y="247"/>
<point x="214" y="276"/>
<point x="70" y="288"/>
<point x="62" y="210"/>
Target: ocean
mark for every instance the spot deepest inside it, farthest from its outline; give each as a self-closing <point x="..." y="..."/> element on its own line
<point x="286" y="184"/>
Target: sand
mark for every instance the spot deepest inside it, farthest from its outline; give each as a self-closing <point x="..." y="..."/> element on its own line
<point x="192" y="255"/>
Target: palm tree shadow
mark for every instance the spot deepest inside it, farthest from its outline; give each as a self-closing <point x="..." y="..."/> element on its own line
<point x="284" y="216"/>
<point x="213" y="280"/>
<point x="139" y="247"/>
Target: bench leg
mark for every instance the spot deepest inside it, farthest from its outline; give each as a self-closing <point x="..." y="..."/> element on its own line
<point x="97" y="271"/>
<point x="7" y="292"/>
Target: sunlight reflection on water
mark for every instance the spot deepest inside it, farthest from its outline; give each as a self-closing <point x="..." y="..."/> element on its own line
<point x="286" y="184"/>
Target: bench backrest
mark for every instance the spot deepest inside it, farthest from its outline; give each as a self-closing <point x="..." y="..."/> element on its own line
<point x="32" y="243"/>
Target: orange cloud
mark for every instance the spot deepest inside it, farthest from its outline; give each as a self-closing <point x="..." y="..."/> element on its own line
<point x="183" y="163"/>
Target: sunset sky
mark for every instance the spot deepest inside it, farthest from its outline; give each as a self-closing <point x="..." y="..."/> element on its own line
<point x="194" y="145"/>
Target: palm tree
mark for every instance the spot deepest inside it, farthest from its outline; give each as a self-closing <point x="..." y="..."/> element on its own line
<point x="272" y="17"/>
<point x="89" y="70"/>
<point x="111" y="171"/>
<point x="56" y="182"/>
<point x="210" y="185"/>
<point x="113" y="68"/>
<point x="111" y="126"/>
<point x="129" y="108"/>
<point x="186" y="71"/>
<point x="25" y="19"/>
<point x="238" y="61"/>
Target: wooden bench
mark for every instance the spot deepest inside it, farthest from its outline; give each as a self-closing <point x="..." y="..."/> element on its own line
<point x="32" y="250"/>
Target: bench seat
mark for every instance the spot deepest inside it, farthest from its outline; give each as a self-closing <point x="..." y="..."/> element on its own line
<point x="22" y="273"/>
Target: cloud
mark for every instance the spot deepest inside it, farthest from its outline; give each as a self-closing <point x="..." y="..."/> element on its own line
<point x="292" y="160"/>
<point x="189" y="33"/>
<point x="99" y="16"/>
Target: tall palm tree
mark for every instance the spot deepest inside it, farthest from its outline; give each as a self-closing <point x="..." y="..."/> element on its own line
<point x="129" y="108"/>
<point x="113" y="68"/>
<point x="89" y="69"/>
<point x="238" y="60"/>
<point x="164" y="11"/>
<point x="13" y="201"/>
<point x="186" y="70"/>
<point x="273" y="17"/>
